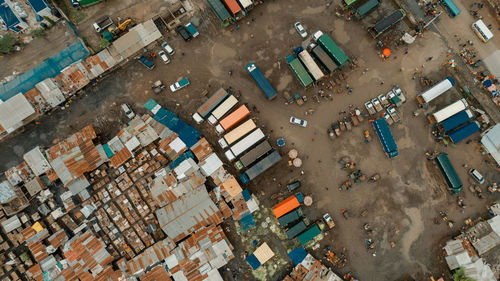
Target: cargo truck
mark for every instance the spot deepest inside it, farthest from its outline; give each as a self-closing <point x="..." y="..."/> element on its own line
<point x="464" y="132"/>
<point x="251" y="156"/>
<point x="191" y="29"/>
<point x="385" y="23"/>
<point x="237" y="133"/>
<point x="222" y="109"/>
<point x="232" y="119"/>
<point x="325" y="60"/>
<point x="310" y="64"/>
<point x="209" y="105"/>
<point x="334" y="51"/>
<point x="449" y="111"/>
<point x="371" y="109"/>
<point x="299" y="71"/>
<point x="261" y="80"/>
<point x="455" y="121"/>
<point x="290" y="217"/>
<point x="260" y="167"/>
<point x="436" y="90"/>
<point x="244" y="144"/>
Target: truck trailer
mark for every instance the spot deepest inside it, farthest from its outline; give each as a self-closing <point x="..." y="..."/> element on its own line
<point x="464" y="132"/>
<point x="334" y="51"/>
<point x="244" y="144"/>
<point x="209" y="105"/>
<point x="251" y="156"/>
<point x="261" y="80"/>
<point x="385" y="23"/>
<point x="386" y="138"/>
<point x="436" y="90"/>
<point x="290" y="217"/>
<point x="260" y="167"/>
<point x="299" y="71"/>
<point x="324" y="59"/>
<point x="310" y="64"/>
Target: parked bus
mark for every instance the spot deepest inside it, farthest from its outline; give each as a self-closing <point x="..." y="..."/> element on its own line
<point x="232" y="119"/>
<point x="310" y="64"/>
<point x="450" y="7"/>
<point x="237" y="133"/>
<point x="450" y="175"/>
<point x="244" y="144"/>
<point x="482" y="31"/>
<point x="254" y="154"/>
<point x="222" y="109"/>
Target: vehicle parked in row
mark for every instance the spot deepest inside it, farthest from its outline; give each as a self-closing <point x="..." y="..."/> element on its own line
<point x="191" y="29"/>
<point x="369" y="106"/>
<point x="329" y="221"/>
<point x="399" y="93"/>
<point x="476" y="175"/>
<point x="377" y="105"/>
<point x="300" y="29"/>
<point x="336" y="129"/>
<point x="297" y="121"/>
<point x="393" y="113"/>
<point x="128" y="112"/>
<point x="170" y="51"/>
<point x="388" y="118"/>
<point x="102" y="23"/>
<point x="182" y="31"/>
<point x="147" y="63"/>
<point x="163" y="57"/>
<point x="383" y="100"/>
<point x="179" y="84"/>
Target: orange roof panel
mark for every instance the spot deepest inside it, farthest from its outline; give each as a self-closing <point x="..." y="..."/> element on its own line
<point x="235" y="117"/>
<point x="286" y="206"/>
<point x="234" y="8"/>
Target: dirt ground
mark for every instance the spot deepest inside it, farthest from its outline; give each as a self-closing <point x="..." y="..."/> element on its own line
<point x="401" y="206"/>
<point x="37" y="50"/>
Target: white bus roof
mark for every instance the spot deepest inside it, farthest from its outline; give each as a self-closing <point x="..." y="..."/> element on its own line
<point x="480" y="24"/>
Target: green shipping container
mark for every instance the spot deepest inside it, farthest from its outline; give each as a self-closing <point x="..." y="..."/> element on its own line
<point x="299" y="70"/>
<point x="366" y="8"/>
<point x="333" y="50"/>
<point x="86" y="3"/>
<point x="296" y="229"/>
<point x="309" y="234"/>
<point x="290" y="217"/>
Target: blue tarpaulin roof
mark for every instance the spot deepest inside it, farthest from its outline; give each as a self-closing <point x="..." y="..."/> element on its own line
<point x="107" y="150"/>
<point x="8" y="15"/>
<point x="49" y="68"/>
<point x="182" y="157"/>
<point x="253" y="261"/>
<point x="246" y="194"/>
<point x="464" y="132"/>
<point x="247" y="221"/>
<point x="386" y="138"/>
<point x="455" y="120"/>
<point x="187" y="134"/>
<point x="297" y="255"/>
<point x="38" y="5"/>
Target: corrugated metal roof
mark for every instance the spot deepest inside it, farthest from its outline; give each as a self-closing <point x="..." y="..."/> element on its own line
<point x="14" y="111"/>
<point x="263" y="253"/>
<point x="6" y="191"/>
<point x="11" y="223"/>
<point x="190" y="212"/>
<point x="210" y="164"/>
<point x="133" y="41"/>
<point x="37" y="161"/>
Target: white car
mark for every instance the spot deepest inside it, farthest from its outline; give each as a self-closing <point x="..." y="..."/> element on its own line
<point x="317" y="35"/>
<point x="168" y="48"/>
<point x="126" y="108"/>
<point x="300" y="29"/>
<point x="297" y="121"/>
<point x="164" y="57"/>
<point x="476" y="175"/>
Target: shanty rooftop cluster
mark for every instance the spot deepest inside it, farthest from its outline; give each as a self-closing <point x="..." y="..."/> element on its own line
<point x="151" y="201"/>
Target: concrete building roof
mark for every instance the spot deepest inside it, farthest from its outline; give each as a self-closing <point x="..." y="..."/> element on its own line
<point x="210" y="164"/>
<point x="491" y="141"/>
<point x="50" y="92"/>
<point x="34" y="186"/>
<point x="482" y="237"/>
<point x="14" y="111"/>
<point x="11" y="223"/>
<point x="37" y="161"/>
<point x="191" y="211"/>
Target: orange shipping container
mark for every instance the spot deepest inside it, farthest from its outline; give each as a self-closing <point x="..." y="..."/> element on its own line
<point x="286" y="206"/>
<point x="233" y="6"/>
<point x="232" y="119"/>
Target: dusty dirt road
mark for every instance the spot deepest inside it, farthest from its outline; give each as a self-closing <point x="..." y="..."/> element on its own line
<point x="401" y="206"/>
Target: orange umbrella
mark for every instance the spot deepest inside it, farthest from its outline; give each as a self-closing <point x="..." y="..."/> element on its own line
<point x="386" y="52"/>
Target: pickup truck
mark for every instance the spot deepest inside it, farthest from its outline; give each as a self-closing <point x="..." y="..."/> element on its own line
<point x="179" y="84"/>
<point x="383" y="100"/>
<point x="399" y="93"/>
<point x="393" y="113"/>
<point x="388" y="118"/>
<point x="147" y="63"/>
<point x="369" y="106"/>
<point x="377" y="105"/>
<point x="329" y="221"/>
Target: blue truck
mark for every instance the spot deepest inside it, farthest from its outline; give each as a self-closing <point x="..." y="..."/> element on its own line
<point x="386" y="138"/>
<point x="191" y="29"/>
<point x="464" y="132"/>
<point x="455" y="121"/>
<point x="147" y="63"/>
<point x="260" y="167"/>
<point x="261" y="80"/>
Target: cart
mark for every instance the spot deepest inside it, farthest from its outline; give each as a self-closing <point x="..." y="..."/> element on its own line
<point x="347" y="121"/>
<point x="359" y="115"/>
<point x="375" y="177"/>
<point x="158" y="87"/>
<point x="342" y="126"/>
<point x="298" y="99"/>
<point x="288" y="98"/>
<point x="345" y="186"/>
<point x="336" y="128"/>
<point x="355" y="120"/>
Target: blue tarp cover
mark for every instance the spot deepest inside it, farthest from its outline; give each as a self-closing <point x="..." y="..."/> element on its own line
<point x="247" y="221"/>
<point x="38" y="5"/>
<point x="246" y="194"/>
<point x="297" y="255"/>
<point x="49" y="68"/>
<point x="182" y="157"/>
<point x="462" y="133"/>
<point x="8" y="15"/>
<point x="253" y="261"/>
<point x="187" y="134"/>
<point x="150" y="104"/>
<point x="386" y="138"/>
